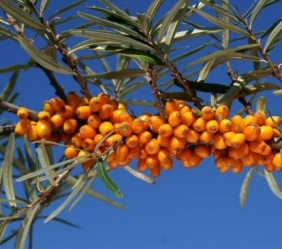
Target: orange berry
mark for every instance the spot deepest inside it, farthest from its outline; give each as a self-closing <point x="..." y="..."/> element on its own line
<point x="143" y="153"/>
<point x="260" y="147"/>
<point x="134" y="153"/>
<point x="251" y="132"/>
<point x="219" y="153"/>
<point x="163" y="141"/>
<point x="68" y="111"/>
<point x="83" y="112"/>
<point x="43" y="129"/>
<point x="144" y="137"/>
<point x="138" y="126"/>
<point x="227" y="136"/>
<point x="221" y="112"/>
<point x="73" y="99"/>
<point x="113" y="140"/>
<point x="106" y="127"/>
<point x="199" y="124"/>
<point x="31" y="133"/>
<point x="273" y="121"/>
<point x="152" y="161"/>
<point x="237" y="140"/>
<point x="165" y="130"/>
<point x="237" y="123"/>
<point x="222" y="162"/>
<point x="114" y="103"/>
<point x="237" y="166"/>
<point x="48" y="108"/>
<point x="57" y="104"/>
<point x="123" y="129"/>
<point x="132" y="141"/>
<point x="181" y="131"/>
<point x="105" y="111"/>
<point x="155" y="122"/>
<point x="187" y="118"/>
<point x="207" y="112"/>
<point x="176" y="144"/>
<point x="70" y="125"/>
<point x="237" y="153"/>
<point x="183" y="154"/>
<point x="122" y="153"/>
<point x="155" y="171"/>
<point x="185" y="108"/>
<point x="94" y="104"/>
<point x="71" y="152"/>
<point x="97" y="138"/>
<point x="277" y="161"/>
<point x="192" y="136"/>
<point x="125" y="117"/>
<point x="250" y="159"/>
<point x="94" y="121"/>
<point x="266" y="133"/>
<point x="23" y="113"/>
<point x="219" y="142"/>
<point x="43" y="115"/>
<point x="76" y="140"/>
<point x="88" y="164"/>
<point x="152" y="147"/>
<point x="88" y="144"/>
<point x="87" y="131"/>
<point x="163" y="155"/>
<point x="270" y="167"/>
<point x="57" y="120"/>
<point x="276" y="132"/>
<point x="249" y="119"/>
<point x="84" y="101"/>
<point x="193" y="161"/>
<point x="206" y="137"/>
<point x="103" y="98"/>
<point x="22" y="127"/>
<point x="225" y="126"/>
<point x="141" y="165"/>
<point x="174" y="119"/>
<point x="112" y="162"/>
<point x="212" y="126"/>
<point x="171" y="105"/>
<point x="261" y="117"/>
<point x="203" y="151"/>
<point x="167" y="164"/>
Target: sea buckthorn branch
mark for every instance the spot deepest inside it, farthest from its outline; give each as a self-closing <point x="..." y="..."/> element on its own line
<point x="64" y="51"/>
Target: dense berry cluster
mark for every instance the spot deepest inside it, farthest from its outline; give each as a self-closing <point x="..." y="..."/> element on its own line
<point x="104" y="125"/>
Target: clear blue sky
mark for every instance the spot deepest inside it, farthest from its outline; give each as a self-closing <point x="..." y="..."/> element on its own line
<point x="196" y="208"/>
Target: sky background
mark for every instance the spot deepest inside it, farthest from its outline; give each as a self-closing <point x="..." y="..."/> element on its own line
<point x="195" y="208"/>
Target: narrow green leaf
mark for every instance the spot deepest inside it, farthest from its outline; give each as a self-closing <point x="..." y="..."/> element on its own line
<point x="151" y="12"/>
<point x="273" y="36"/>
<point x="21" y="15"/>
<point x="17" y="67"/>
<point x="109" y="183"/>
<point x="10" y="86"/>
<point x="178" y="95"/>
<point x="41" y="58"/>
<point x="273" y="184"/>
<point x="121" y="74"/>
<point x="7" y="33"/>
<point x="258" y="8"/>
<point x="245" y="187"/>
<point x="7" y="175"/>
<point x="204" y="73"/>
<point x="261" y="104"/>
<point x="44" y="161"/>
<point x="231" y="94"/>
<point x="66" y="8"/>
<point x="3" y="229"/>
<point x="221" y="23"/>
<point x="43" y="6"/>
<point x="27" y="222"/>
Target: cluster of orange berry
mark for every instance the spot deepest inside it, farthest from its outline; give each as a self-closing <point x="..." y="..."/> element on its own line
<point x="104" y="125"/>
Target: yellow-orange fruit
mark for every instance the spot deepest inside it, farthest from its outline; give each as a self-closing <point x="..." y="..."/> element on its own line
<point x="22" y="127"/>
<point x="152" y="147"/>
<point x="251" y="132"/>
<point x="250" y="159"/>
<point x="123" y="129"/>
<point x="176" y="144"/>
<point x="87" y="131"/>
<point x="112" y="162"/>
<point x="219" y="142"/>
<point x="266" y="133"/>
<point x="237" y="123"/>
<point x="138" y="126"/>
<point x="73" y="99"/>
<point x="83" y="112"/>
<point x="76" y="140"/>
<point x="48" y="108"/>
<point x="94" y="104"/>
<point x="113" y="140"/>
<point x="167" y="164"/>
<point x="43" y="129"/>
<point x="103" y="98"/>
<point x="23" y="113"/>
<point x="97" y="138"/>
<point x="122" y="153"/>
<point x="143" y="153"/>
<point x="86" y="163"/>
<point x="31" y="133"/>
<point x="203" y="151"/>
<point x="207" y="112"/>
<point x="187" y="118"/>
<point x="114" y="103"/>
<point x="270" y="167"/>
<point x="132" y="141"/>
<point x="206" y="137"/>
<point x="273" y="121"/>
<point x="70" y="125"/>
<point x="174" y="119"/>
<point x="221" y="112"/>
<point x="57" y="120"/>
<point x="222" y="162"/>
<point x="237" y="166"/>
<point x="193" y="161"/>
<point x="163" y="141"/>
<point x="183" y="154"/>
<point x="165" y="130"/>
<point x="237" y="140"/>
<point x="261" y="117"/>
<point x="171" y="105"/>
<point x="84" y="101"/>
<point x="155" y="122"/>
<point x="106" y="127"/>
<point x="141" y="165"/>
<point x="57" y="104"/>
<point x="68" y="111"/>
<point x="125" y="117"/>
<point x="43" y="115"/>
<point x="277" y="132"/>
<point x="181" y="103"/>
<point x="145" y="116"/>
<point x="144" y="137"/>
<point x="105" y="111"/>
<point x="225" y="126"/>
<point x="192" y="136"/>
<point x="227" y="136"/>
<point x="163" y="155"/>
<point x="277" y="161"/>
<point x="219" y="153"/>
<point x="88" y="144"/>
<point x="199" y="124"/>
<point x="115" y="117"/>
<point x="237" y="153"/>
<point x="181" y="131"/>
<point x="260" y="147"/>
<point x="94" y="121"/>
<point x="212" y="126"/>
<point x="185" y="108"/>
<point x="134" y="153"/>
<point x="71" y="152"/>
<point x="155" y="171"/>
<point x="249" y="119"/>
